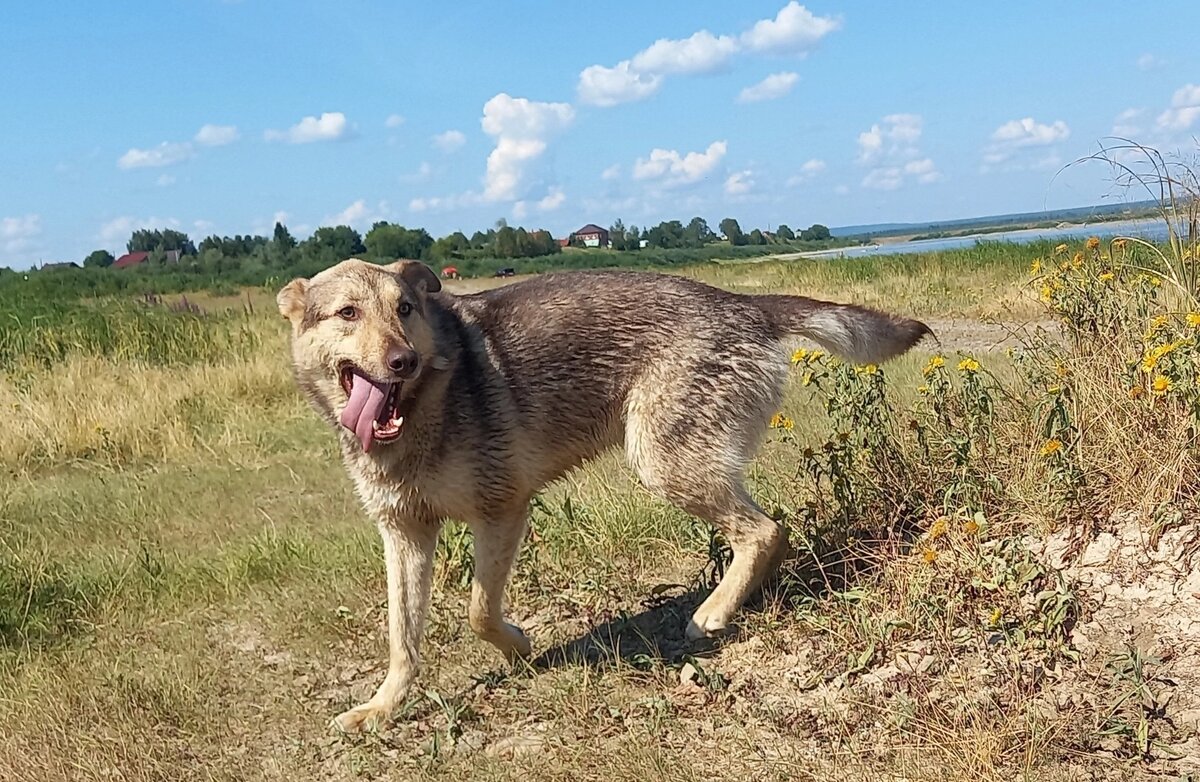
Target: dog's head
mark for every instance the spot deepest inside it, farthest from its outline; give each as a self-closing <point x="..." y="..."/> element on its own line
<point x="362" y="341"/>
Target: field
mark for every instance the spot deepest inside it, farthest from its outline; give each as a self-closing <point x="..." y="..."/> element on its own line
<point x="993" y="574"/>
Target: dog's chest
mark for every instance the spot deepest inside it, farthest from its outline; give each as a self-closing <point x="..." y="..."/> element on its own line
<point x="409" y="488"/>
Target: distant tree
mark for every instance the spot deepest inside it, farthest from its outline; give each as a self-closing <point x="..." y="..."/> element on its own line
<point x="330" y="244"/>
<point x="147" y="240"/>
<point x="784" y="233"/>
<point x="733" y="231"/>
<point x="697" y="233"/>
<point x="98" y="259"/>
<point x="616" y="235"/>
<point x="283" y="238"/>
<point x="388" y="241"/>
<point x="815" y="232"/>
<point x="633" y="238"/>
<point x="756" y="237"/>
<point x="667" y="234"/>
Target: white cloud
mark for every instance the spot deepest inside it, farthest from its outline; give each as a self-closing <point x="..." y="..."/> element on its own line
<point x="330" y="126"/>
<point x="357" y="215"/>
<point x="884" y="178"/>
<point x="601" y="86"/>
<point x="1148" y="62"/>
<point x="892" y="148"/>
<point x="774" y="86"/>
<point x="1030" y="133"/>
<point x="1184" y="111"/>
<point x="611" y="173"/>
<point x="1127" y="123"/>
<point x="167" y="153"/>
<point x="165" y="180"/>
<point x="17" y="234"/>
<point x="553" y="200"/>
<point x="924" y="170"/>
<point x="393" y="121"/>
<point x="118" y="229"/>
<point x="671" y="168"/>
<point x="217" y="135"/>
<point x="450" y="140"/>
<point x="794" y="31"/>
<point x="809" y="170"/>
<point x="521" y="128"/>
<point x="703" y="52"/>
<point x="739" y="183"/>
<point x="203" y="226"/>
<point x="896" y="137"/>
<point x="1018" y="134"/>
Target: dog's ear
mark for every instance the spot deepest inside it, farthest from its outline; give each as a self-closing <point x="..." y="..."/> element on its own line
<point x="419" y="276"/>
<point x="292" y="299"/>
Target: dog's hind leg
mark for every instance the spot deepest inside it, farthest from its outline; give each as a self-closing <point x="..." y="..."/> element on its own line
<point x="408" y="549"/>
<point x="759" y="546"/>
<point x="496" y="545"/>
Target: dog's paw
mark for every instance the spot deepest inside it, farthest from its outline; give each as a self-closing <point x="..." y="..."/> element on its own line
<point x="367" y="717"/>
<point x="517" y="645"/>
<point x="703" y="625"/>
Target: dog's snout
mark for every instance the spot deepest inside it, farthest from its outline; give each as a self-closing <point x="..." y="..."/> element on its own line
<point x="402" y="361"/>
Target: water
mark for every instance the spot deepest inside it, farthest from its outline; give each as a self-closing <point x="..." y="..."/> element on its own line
<point x="1150" y="230"/>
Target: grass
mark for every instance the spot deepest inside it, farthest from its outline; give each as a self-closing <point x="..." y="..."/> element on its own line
<point x="188" y="588"/>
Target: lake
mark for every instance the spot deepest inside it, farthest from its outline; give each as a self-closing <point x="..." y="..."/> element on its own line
<point x="1150" y="230"/>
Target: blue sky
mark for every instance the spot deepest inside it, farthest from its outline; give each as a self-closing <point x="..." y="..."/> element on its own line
<point x="220" y="116"/>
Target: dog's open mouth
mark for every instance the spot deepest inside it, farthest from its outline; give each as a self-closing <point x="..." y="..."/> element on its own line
<point x="372" y="408"/>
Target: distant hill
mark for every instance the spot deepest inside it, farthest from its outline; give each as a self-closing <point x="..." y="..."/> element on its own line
<point x="1073" y="215"/>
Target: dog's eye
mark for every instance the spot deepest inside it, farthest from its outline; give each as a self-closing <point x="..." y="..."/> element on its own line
<point x="405" y="308"/>
<point x="347" y="313"/>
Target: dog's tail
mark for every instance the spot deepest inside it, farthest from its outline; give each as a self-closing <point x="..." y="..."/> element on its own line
<point x="858" y="334"/>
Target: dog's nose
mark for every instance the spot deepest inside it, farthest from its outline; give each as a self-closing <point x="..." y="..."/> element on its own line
<point x="402" y="361"/>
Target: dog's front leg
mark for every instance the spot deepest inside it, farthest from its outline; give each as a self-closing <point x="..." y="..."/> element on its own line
<point x="408" y="548"/>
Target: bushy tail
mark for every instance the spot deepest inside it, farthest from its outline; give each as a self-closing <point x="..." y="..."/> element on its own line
<point x="858" y="334"/>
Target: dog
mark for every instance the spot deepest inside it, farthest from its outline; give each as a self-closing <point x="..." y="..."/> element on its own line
<point x="462" y="407"/>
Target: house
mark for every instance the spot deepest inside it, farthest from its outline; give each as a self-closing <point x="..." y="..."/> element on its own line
<point x="129" y="260"/>
<point x="63" y="265"/>
<point x="591" y="235"/>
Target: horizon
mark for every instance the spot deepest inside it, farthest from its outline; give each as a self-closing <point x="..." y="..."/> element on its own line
<point x="770" y="112"/>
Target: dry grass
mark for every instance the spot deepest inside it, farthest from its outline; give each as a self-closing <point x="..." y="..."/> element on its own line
<point x="188" y="591"/>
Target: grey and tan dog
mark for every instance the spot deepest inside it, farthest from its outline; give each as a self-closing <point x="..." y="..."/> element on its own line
<point x="461" y="407"/>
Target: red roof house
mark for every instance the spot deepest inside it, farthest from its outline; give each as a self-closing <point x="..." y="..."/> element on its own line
<point x="129" y="260"/>
<point x="592" y="235"/>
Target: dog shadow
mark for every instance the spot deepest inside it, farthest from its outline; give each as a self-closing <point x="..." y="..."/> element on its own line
<point x="656" y="635"/>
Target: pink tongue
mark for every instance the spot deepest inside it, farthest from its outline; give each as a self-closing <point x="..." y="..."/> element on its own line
<point x="363" y="408"/>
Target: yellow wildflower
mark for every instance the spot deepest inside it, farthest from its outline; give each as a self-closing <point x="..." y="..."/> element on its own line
<point x="867" y="369"/>
<point x="939" y="528"/>
<point x="971" y="527"/>
<point x="1036" y="266"/>
<point x="1062" y="248"/>
<point x="1047" y="292"/>
<point x="1119" y="244"/>
<point x="935" y="362"/>
<point x="1077" y="261"/>
<point x="816" y="355"/>
<point x="1050" y="447"/>
<point x="1107" y="277"/>
<point x="922" y="390"/>
<point x="1136" y="392"/>
<point x="1161" y="385"/>
<point x="930" y="556"/>
<point x="799" y="355"/>
<point x="996" y="616"/>
<point x="1193" y="319"/>
<point x="1060" y="370"/>
<point x="781" y="421"/>
<point x="968" y="365"/>
<point x="1157" y="322"/>
<point x="1093" y="242"/>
